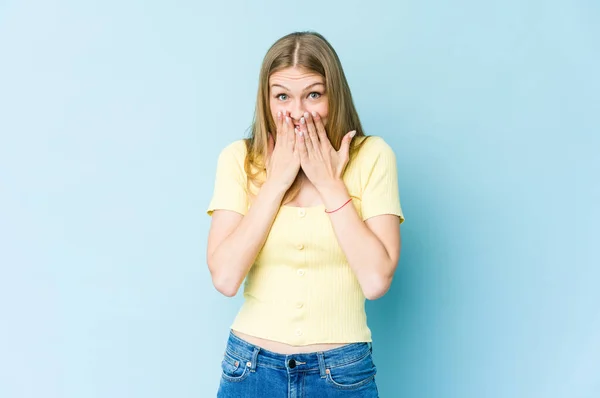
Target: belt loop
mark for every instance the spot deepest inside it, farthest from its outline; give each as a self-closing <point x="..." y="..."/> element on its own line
<point x="321" y="364"/>
<point x="254" y="359"/>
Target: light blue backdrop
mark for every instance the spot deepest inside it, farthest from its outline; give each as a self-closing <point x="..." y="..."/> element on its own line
<point x="112" y="114"/>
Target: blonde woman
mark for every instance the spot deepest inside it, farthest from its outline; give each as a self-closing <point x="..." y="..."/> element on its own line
<point x="307" y="211"/>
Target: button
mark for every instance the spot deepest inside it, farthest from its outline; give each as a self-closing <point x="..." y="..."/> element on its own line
<point x="292" y="364"/>
<point x="301" y="212"/>
<point x="300" y="246"/>
<point x="299" y="305"/>
<point x="298" y="332"/>
<point x="300" y="272"/>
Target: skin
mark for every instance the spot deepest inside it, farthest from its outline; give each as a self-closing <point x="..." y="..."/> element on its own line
<point x="295" y="91"/>
<point x="299" y="107"/>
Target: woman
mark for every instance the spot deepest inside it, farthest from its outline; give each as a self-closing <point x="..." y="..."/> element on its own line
<point x="306" y="210"/>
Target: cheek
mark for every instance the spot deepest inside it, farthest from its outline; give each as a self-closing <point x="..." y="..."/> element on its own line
<point x="321" y="109"/>
<point x="274" y="108"/>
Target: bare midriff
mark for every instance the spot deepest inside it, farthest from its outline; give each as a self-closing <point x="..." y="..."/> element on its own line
<point x="282" y="348"/>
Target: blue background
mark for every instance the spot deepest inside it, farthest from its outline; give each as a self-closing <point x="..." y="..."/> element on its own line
<point x="112" y="114"/>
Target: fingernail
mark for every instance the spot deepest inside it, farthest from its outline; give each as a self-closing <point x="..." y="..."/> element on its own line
<point x="314" y="114"/>
<point x="352" y="133"/>
<point x="279" y="114"/>
<point x="287" y="120"/>
<point x="306" y="114"/>
<point x="302" y="121"/>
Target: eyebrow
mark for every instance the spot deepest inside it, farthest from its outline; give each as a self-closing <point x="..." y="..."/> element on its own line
<point x="305" y="88"/>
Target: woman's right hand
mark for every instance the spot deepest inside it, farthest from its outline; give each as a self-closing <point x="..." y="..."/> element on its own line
<point x="283" y="158"/>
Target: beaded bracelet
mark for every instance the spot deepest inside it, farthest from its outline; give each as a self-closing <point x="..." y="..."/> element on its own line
<point x="333" y="211"/>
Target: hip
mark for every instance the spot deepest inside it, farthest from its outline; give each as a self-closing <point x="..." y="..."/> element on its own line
<point x="251" y="371"/>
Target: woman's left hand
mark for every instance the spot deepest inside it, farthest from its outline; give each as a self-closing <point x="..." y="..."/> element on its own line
<point x="319" y="160"/>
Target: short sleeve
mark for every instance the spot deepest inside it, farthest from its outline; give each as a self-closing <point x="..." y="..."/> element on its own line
<point x="230" y="188"/>
<point x="380" y="193"/>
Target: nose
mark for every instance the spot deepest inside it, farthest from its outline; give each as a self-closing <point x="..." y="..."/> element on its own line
<point x="297" y="111"/>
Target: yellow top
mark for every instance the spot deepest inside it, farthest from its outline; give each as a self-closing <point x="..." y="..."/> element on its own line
<point x="300" y="289"/>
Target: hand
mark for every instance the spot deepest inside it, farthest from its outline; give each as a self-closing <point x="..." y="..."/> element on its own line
<point x="319" y="160"/>
<point x="283" y="157"/>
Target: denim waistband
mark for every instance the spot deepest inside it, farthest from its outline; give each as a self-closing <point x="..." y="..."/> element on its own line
<point x="258" y="356"/>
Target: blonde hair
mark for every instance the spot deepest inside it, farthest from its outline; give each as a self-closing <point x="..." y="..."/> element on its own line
<point x="310" y="51"/>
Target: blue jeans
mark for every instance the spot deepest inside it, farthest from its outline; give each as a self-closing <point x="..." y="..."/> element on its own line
<point x="250" y="371"/>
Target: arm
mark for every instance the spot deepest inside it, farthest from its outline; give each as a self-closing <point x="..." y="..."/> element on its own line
<point x="234" y="240"/>
<point x="372" y="247"/>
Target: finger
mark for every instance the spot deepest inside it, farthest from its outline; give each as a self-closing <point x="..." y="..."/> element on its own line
<point x="282" y="121"/>
<point x="312" y="141"/>
<point x="344" y="151"/>
<point x="280" y="126"/>
<point x="279" y="121"/>
<point x="301" y="146"/>
<point x="272" y="137"/>
<point x="285" y="134"/>
<point x="306" y="141"/>
<point x="289" y="131"/>
<point x="321" y="129"/>
<point x="301" y="130"/>
<point x="303" y="126"/>
<point x="311" y="127"/>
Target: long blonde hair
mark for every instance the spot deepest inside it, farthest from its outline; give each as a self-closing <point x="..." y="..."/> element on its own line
<point x="311" y="51"/>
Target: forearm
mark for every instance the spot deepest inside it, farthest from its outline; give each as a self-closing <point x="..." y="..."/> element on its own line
<point x="232" y="259"/>
<point x="366" y="254"/>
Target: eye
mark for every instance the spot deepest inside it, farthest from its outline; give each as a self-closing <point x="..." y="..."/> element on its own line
<point x="314" y="92"/>
<point x="278" y="96"/>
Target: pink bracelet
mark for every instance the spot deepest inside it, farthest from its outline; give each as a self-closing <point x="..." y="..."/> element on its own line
<point x="333" y="211"/>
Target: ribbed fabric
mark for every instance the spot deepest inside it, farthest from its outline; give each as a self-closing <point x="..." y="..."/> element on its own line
<point x="301" y="289"/>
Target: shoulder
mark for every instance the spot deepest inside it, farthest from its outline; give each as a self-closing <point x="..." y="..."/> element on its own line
<point x="233" y="155"/>
<point x="372" y="149"/>
<point x="232" y="158"/>
<point x="235" y="150"/>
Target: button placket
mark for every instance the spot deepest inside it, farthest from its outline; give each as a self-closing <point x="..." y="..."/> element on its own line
<point x="300" y="272"/>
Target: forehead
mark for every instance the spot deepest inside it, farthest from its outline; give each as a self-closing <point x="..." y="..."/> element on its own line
<point x="295" y="77"/>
